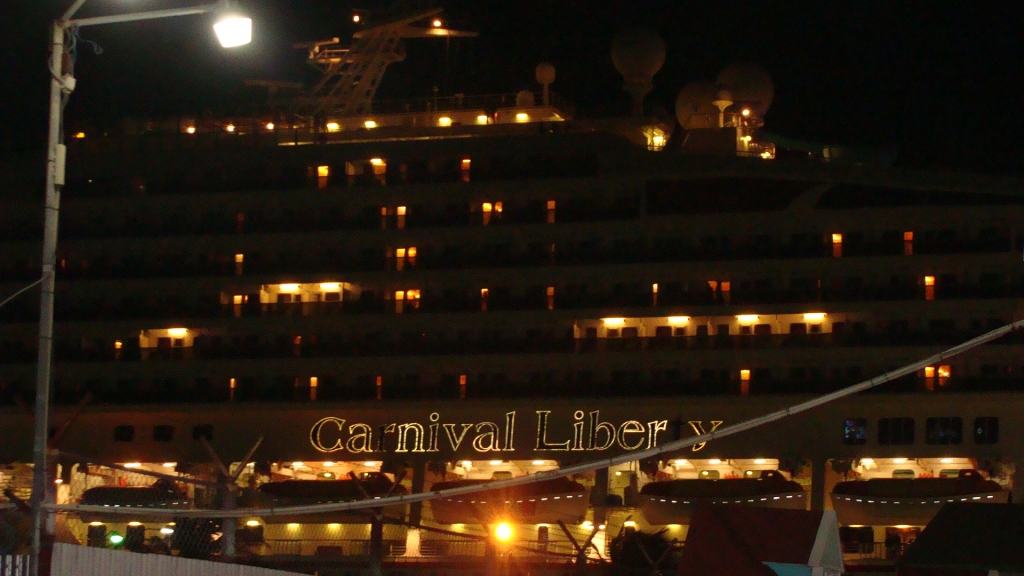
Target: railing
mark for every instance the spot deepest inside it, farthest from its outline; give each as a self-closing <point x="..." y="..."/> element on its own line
<point x="873" y="551"/>
<point x="13" y="565"/>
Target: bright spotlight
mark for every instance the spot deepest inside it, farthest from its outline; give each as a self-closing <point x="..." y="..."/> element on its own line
<point x="233" y="31"/>
<point x="503" y="532"/>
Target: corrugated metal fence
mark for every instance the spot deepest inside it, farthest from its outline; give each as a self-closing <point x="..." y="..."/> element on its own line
<point x="71" y="560"/>
<point x="13" y="565"/>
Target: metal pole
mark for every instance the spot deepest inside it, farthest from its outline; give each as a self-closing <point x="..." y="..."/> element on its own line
<point x="40" y="558"/>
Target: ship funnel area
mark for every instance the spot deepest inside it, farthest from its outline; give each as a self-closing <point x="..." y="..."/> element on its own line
<point x="723" y="116"/>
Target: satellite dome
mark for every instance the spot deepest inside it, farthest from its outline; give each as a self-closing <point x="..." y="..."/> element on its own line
<point x="638" y="52"/>
<point x="524" y="99"/>
<point x="545" y="73"/>
<point x="694" y="107"/>
<point x="749" y="84"/>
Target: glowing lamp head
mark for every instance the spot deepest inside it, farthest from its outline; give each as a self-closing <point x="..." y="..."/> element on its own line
<point x="503" y="532"/>
<point x="233" y="30"/>
<point x="370" y="124"/>
<point x="444" y="121"/>
<point x="356" y="18"/>
<point x="252" y="523"/>
<point x="436" y="23"/>
<point x="191" y="130"/>
<point x="333" y="126"/>
<point x="270" y="125"/>
<point x="115" y="539"/>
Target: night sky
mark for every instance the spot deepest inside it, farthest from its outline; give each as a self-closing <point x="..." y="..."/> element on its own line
<point x="941" y="80"/>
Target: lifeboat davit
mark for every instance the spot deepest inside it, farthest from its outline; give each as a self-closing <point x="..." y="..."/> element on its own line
<point x="911" y="501"/>
<point x="161" y="494"/>
<point x="673" y="501"/>
<point x="309" y="492"/>
<point x="547" y="501"/>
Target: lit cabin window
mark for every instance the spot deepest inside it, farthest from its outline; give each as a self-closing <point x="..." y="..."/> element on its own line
<point x="481" y="119"/>
<point x="943" y="372"/>
<point x="313" y="383"/>
<point x="405" y="256"/>
<point x="465" y="166"/>
<point x="908" y="243"/>
<point x="380" y="387"/>
<point x="400" y="217"/>
<point x="399" y="301"/>
<point x="370" y="124"/>
<point x="726" y="289"/>
<point x="379" y="166"/>
<point x="522" y="117"/>
<point x="462" y="386"/>
<point x="929" y="287"/>
<point x="837" y="245"/>
<point x="322" y="175"/>
<point x="232" y="383"/>
<point x="239" y="262"/>
<point x="744" y="382"/>
<point x="551" y="297"/>
<point x="486" y="209"/>
<point x="383" y="218"/>
<point x="551" y="211"/>
<point x="654" y="294"/>
<point x="484" y="295"/>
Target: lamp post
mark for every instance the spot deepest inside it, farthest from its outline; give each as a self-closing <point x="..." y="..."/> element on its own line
<point x="232" y="30"/>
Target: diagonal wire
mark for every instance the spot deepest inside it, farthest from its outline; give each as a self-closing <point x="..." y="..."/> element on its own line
<point x="19" y="292"/>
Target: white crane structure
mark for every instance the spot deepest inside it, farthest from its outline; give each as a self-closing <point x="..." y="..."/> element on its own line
<point x="352" y="75"/>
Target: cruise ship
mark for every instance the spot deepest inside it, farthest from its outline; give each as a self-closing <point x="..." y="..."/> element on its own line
<point x="418" y="295"/>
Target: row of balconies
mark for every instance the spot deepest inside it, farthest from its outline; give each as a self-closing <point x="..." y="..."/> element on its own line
<point x="567" y="297"/>
<point x="251" y="347"/>
<point x="583" y="384"/>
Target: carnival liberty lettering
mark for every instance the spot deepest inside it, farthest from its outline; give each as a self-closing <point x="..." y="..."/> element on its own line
<point x="589" y="434"/>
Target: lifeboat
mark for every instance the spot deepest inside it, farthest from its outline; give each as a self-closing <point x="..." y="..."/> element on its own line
<point x="161" y="494"/>
<point x="911" y="501"/>
<point x="309" y="492"/>
<point x="673" y="501"/>
<point x="547" y="501"/>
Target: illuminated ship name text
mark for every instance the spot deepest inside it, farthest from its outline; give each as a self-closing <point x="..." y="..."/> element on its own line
<point x="589" y="433"/>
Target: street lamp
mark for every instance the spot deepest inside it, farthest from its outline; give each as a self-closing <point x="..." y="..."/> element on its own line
<point x="232" y="30"/>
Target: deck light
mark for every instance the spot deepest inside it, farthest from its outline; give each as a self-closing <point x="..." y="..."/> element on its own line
<point x="613" y="322"/>
<point x="503" y="532"/>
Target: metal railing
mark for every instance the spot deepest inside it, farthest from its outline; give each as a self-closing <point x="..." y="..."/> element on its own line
<point x="13" y="565"/>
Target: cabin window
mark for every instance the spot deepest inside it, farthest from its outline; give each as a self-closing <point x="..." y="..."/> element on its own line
<point x="895" y="431"/>
<point x="904" y="473"/>
<point x="837" y="245"/>
<point x="710" y="474"/>
<point x="855" y="431"/>
<point x="124" y="433"/>
<point x="986" y="430"/>
<point x="949" y="473"/>
<point x="200" y="431"/>
<point x="163" y="433"/>
<point x="945" y="430"/>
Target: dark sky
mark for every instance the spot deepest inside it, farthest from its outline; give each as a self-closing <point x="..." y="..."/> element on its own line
<point x="942" y="80"/>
